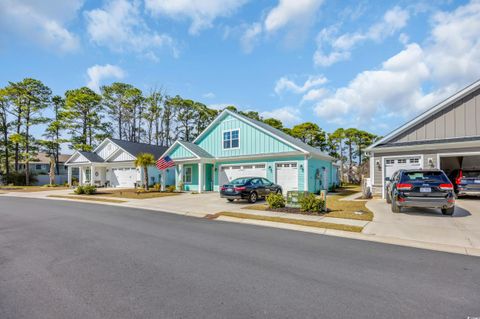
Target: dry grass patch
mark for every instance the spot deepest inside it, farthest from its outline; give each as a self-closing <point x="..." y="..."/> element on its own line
<point x="284" y="220"/>
<point x="88" y="198"/>
<point x="132" y="193"/>
<point x="28" y="189"/>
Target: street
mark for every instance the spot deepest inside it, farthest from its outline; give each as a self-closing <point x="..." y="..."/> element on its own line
<point x="74" y="260"/>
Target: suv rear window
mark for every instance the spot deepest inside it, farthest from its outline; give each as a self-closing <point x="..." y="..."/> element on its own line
<point x="471" y="174"/>
<point x="420" y="176"/>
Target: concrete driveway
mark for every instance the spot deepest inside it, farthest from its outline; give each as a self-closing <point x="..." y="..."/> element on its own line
<point x="187" y="203"/>
<point x="428" y="225"/>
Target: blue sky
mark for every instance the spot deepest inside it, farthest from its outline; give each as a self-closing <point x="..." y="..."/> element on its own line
<point x="366" y="64"/>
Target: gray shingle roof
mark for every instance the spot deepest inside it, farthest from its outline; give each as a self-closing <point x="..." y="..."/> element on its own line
<point x="196" y="149"/>
<point x="92" y="157"/>
<point x="287" y="137"/>
<point x="137" y="148"/>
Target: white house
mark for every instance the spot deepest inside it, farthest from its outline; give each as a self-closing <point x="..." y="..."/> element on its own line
<point x="111" y="164"/>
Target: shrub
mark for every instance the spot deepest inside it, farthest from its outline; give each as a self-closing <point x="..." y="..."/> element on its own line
<point x="181" y="186"/>
<point x="18" y="178"/>
<point x="86" y="189"/>
<point x="311" y="203"/>
<point x="275" y="201"/>
<point x="79" y="190"/>
<point x="171" y="188"/>
<point x="157" y="187"/>
<point x="89" y="189"/>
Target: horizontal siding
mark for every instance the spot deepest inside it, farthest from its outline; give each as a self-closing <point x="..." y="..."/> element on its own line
<point x="252" y="140"/>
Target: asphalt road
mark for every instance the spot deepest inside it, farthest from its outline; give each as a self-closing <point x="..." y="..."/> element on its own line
<point x="71" y="260"/>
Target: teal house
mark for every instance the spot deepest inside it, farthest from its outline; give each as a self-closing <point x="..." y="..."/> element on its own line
<point x="235" y="146"/>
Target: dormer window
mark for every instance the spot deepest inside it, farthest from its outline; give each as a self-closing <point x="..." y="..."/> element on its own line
<point x="231" y="139"/>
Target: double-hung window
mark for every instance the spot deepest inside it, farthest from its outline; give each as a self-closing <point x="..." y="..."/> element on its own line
<point x="231" y="139"/>
<point x="187" y="176"/>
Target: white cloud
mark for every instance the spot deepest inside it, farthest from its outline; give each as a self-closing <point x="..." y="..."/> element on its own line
<point x="314" y="94"/>
<point x="120" y="27"/>
<point x="293" y="16"/>
<point x="289" y="12"/>
<point x="209" y="95"/>
<point x="288" y="115"/>
<point x="250" y="37"/>
<point x="393" y="20"/>
<point x="41" y="21"/>
<point x="285" y="84"/>
<point x="97" y="73"/>
<point x="446" y="63"/>
<point x="202" y="13"/>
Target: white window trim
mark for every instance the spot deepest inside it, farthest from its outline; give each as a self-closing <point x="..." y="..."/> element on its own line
<point x="223" y="139"/>
<point x="395" y="157"/>
<point x="185" y="174"/>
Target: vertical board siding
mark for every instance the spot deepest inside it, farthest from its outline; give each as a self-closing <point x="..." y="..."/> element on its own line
<point x="122" y="157"/>
<point x="252" y="140"/>
<point x="180" y="152"/>
<point x="461" y="119"/>
<point x="104" y="152"/>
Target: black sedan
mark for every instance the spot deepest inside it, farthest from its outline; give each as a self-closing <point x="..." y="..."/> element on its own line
<point x="421" y="188"/>
<point x="250" y="188"/>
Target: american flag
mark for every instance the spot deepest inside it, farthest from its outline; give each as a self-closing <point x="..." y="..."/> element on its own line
<point x="164" y="163"/>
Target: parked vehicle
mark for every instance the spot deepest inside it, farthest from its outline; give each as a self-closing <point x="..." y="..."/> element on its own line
<point x="466" y="181"/>
<point x="250" y="188"/>
<point x="420" y="188"/>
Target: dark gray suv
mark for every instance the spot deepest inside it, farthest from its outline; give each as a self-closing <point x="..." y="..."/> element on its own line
<point x="428" y="188"/>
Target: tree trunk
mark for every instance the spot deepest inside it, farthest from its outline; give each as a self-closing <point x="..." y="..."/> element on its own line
<point x="145" y="173"/>
<point x="27" y="150"/>
<point x="17" y="145"/>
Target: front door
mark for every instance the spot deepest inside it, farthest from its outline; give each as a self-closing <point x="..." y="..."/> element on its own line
<point x="208" y="177"/>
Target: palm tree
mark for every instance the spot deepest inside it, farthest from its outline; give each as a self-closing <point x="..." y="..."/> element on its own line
<point x="145" y="160"/>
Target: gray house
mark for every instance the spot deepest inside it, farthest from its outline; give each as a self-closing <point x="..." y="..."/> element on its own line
<point x="447" y="136"/>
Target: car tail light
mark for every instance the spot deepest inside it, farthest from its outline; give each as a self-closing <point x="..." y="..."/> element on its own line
<point x="223" y="188"/>
<point x="240" y="188"/>
<point x="451" y="200"/>
<point x="459" y="177"/>
<point x="401" y="199"/>
<point x="446" y="187"/>
<point x="404" y="187"/>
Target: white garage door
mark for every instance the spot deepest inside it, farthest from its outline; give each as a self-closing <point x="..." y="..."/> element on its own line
<point x="230" y="172"/>
<point x="287" y="176"/>
<point x="394" y="164"/>
<point x="124" y="177"/>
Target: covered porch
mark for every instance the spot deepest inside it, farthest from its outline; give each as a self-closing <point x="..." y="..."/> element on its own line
<point x="195" y="175"/>
<point x="89" y="174"/>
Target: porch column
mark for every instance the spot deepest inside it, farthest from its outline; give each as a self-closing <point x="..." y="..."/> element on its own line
<point x="164" y="179"/>
<point x="80" y="175"/>
<point x="92" y="175"/>
<point x="180" y="174"/>
<point x="200" y="177"/>
<point x="69" y="176"/>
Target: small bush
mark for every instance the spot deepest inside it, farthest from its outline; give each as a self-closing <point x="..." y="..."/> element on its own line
<point x="157" y="187"/>
<point x="18" y="178"/>
<point x="275" y="201"/>
<point x="79" y="190"/>
<point x="311" y="203"/>
<point x="86" y="189"/>
<point x="171" y="188"/>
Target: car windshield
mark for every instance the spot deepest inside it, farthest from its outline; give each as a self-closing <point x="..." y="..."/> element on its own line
<point x="240" y="181"/>
<point x="471" y="174"/>
<point x="424" y="177"/>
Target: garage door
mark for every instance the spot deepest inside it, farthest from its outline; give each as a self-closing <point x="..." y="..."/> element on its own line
<point x="124" y="177"/>
<point x="287" y="176"/>
<point x="230" y="172"/>
<point x="394" y="164"/>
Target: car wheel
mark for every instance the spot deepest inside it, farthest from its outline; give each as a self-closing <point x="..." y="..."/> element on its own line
<point x="389" y="200"/>
<point x="278" y="192"/>
<point x="230" y="200"/>
<point x="395" y="207"/>
<point x="448" y="211"/>
<point x="253" y="197"/>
